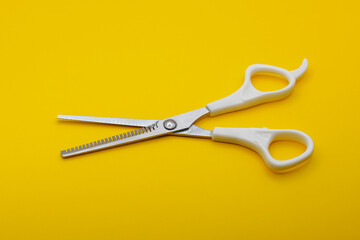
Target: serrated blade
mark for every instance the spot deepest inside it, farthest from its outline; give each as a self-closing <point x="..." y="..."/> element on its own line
<point x="117" y="140"/>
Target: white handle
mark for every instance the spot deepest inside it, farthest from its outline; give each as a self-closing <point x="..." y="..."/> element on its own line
<point x="259" y="140"/>
<point x="248" y="95"/>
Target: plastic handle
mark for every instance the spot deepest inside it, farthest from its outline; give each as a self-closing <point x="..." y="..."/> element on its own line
<point x="248" y="95"/>
<point x="259" y="140"/>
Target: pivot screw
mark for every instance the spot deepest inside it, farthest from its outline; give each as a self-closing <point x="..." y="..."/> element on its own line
<point x="170" y="124"/>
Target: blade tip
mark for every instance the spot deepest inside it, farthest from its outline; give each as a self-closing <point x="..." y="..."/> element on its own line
<point x="64" y="154"/>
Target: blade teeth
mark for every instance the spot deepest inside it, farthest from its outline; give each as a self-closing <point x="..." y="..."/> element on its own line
<point x="118" y="137"/>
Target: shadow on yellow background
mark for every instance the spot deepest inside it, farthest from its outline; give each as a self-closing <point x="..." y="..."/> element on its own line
<point x="146" y="59"/>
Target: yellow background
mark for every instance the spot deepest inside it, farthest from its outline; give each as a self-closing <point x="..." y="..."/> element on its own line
<point x="151" y="59"/>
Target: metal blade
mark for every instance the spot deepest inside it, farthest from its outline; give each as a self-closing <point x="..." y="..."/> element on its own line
<point x="117" y="140"/>
<point x="114" y="121"/>
<point x="193" y="131"/>
<point x="162" y="127"/>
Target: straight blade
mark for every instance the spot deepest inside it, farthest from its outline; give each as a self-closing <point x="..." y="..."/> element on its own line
<point x="108" y="120"/>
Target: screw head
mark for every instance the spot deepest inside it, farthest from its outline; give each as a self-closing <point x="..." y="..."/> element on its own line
<point x="170" y="124"/>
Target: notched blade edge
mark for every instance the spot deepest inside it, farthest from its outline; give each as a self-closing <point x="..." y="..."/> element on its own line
<point x="113" y="141"/>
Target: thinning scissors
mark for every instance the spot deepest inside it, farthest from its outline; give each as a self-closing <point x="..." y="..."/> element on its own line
<point x="257" y="139"/>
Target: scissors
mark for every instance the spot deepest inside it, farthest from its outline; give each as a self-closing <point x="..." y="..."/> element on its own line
<point x="257" y="139"/>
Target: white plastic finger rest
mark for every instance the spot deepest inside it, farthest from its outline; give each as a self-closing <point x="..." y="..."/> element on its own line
<point x="248" y="95"/>
<point x="259" y="140"/>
